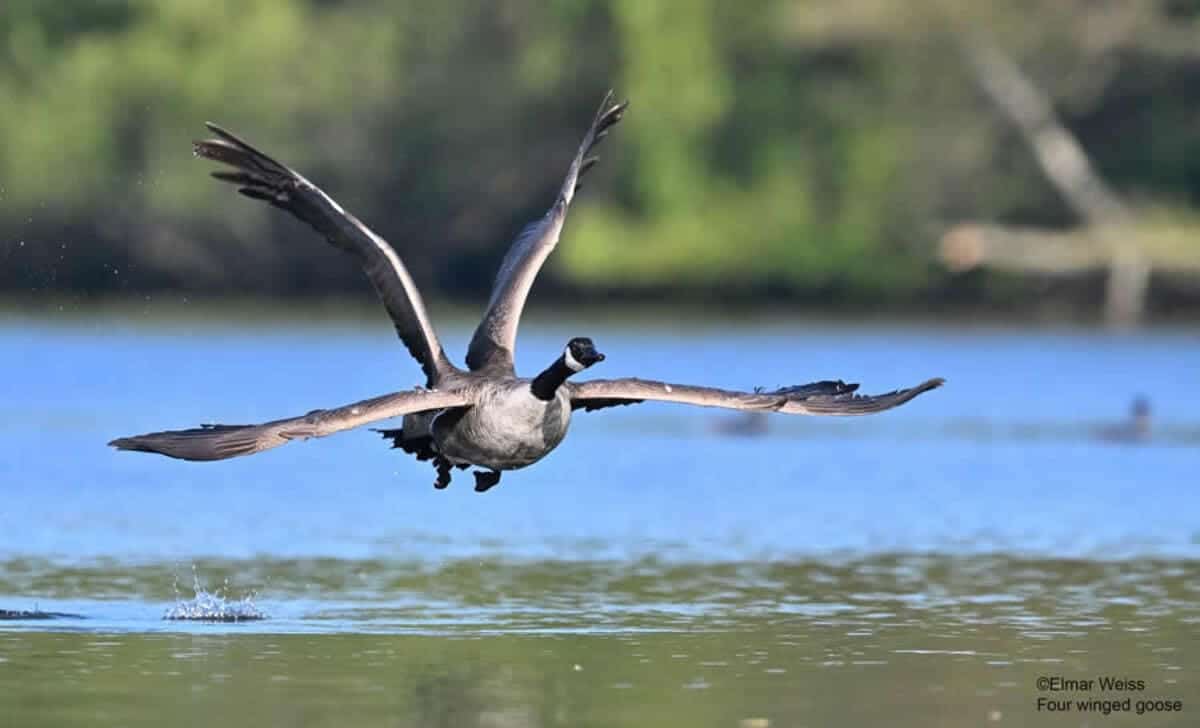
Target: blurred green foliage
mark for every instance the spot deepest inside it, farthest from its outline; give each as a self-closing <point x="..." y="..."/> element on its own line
<point x="796" y="148"/>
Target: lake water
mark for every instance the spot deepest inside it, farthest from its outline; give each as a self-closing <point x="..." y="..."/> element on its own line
<point x="925" y="566"/>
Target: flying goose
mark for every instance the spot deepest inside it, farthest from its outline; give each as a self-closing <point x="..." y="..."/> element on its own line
<point x="485" y="416"/>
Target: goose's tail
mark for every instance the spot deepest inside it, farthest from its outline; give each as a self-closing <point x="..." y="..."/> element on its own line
<point x="422" y="447"/>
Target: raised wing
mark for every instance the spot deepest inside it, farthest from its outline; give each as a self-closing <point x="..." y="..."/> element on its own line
<point x="495" y="339"/>
<point x="818" y="398"/>
<point x="218" y="442"/>
<point x="262" y="178"/>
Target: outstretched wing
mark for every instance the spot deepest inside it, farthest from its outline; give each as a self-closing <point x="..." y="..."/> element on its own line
<point x="218" y="442"/>
<point x="818" y="398"/>
<point x="495" y="339"/>
<point x="262" y="178"/>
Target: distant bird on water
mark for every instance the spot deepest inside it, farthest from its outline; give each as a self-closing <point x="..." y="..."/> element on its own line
<point x="485" y="416"/>
<point x="1134" y="429"/>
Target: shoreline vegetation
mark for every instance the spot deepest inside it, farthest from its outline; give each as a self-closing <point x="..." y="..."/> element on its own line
<point x="809" y="154"/>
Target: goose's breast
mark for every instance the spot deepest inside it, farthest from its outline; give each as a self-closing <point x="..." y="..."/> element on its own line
<point x="507" y="428"/>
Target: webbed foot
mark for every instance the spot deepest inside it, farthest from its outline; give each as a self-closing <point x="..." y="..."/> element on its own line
<point x="485" y="479"/>
<point x="443" y="473"/>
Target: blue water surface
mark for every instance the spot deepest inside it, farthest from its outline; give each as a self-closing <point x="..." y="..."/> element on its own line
<point x="1001" y="459"/>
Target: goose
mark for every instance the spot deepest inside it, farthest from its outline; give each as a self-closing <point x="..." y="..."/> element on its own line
<point x="1135" y="429"/>
<point x="484" y="416"/>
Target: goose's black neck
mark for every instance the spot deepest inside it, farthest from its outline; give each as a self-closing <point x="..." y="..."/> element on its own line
<point x="547" y="383"/>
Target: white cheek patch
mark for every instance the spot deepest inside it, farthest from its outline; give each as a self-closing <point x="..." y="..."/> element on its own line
<point x="572" y="363"/>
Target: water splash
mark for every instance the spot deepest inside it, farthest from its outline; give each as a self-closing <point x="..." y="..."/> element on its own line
<point x="215" y="606"/>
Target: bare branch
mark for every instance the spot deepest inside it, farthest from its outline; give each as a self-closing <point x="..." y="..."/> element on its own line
<point x="1025" y="250"/>
<point x="1060" y="156"/>
<point x="1056" y="252"/>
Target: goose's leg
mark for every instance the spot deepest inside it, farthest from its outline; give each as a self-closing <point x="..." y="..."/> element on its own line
<point x="485" y="479"/>
<point x="443" y="472"/>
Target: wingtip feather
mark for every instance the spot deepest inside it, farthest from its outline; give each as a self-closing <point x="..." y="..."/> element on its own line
<point x="224" y="133"/>
<point x="605" y="102"/>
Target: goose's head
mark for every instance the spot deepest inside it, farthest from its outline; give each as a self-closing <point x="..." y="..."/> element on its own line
<point x="580" y="353"/>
